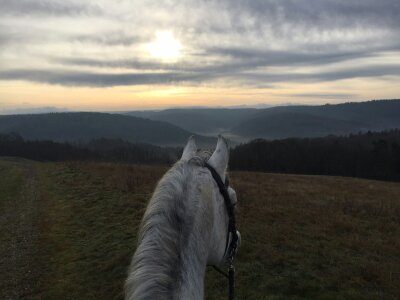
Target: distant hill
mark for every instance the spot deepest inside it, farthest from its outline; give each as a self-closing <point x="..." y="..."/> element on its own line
<point x="295" y="124"/>
<point x="283" y="121"/>
<point x="208" y="121"/>
<point x="313" y="121"/>
<point x="86" y="126"/>
<point x="172" y="127"/>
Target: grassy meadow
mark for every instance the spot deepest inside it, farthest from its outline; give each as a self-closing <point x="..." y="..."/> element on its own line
<point x="68" y="231"/>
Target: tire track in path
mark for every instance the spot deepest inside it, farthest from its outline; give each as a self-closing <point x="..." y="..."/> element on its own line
<point x="19" y="216"/>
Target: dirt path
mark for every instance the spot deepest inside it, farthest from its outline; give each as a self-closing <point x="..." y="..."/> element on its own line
<point x="19" y="233"/>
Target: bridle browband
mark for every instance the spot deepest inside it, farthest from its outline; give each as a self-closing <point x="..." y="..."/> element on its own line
<point x="232" y="236"/>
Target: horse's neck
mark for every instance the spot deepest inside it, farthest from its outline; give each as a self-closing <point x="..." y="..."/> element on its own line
<point x="192" y="271"/>
<point x="187" y="269"/>
<point x="171" y="264"/>
<point x="194" y="255"/>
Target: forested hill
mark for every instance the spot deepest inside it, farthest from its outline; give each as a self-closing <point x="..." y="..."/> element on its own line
<point x="283" y="121"/>
<point x="172" y="127"/>
<point x="374" y="155"/>
<point x="314" y="121"/>
<point x="86" y="126"/>
<point x="200" y="120"/>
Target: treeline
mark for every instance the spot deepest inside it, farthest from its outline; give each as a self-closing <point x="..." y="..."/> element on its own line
<point x="374" y="155"/>
<point x="111" y="150"/>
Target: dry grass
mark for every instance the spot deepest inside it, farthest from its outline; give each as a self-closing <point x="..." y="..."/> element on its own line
<point x="318" y="237"/>
<point x="311" y="237"/>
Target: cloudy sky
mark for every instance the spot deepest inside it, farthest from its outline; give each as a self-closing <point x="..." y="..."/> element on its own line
<point x="113" y="55"/>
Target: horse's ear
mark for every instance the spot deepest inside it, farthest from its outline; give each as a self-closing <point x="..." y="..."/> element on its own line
<point x="190" y="149"/>
<point x="219" y="159"/>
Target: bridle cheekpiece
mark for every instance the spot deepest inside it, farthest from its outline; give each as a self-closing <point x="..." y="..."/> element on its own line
<point x="232" y="239"/>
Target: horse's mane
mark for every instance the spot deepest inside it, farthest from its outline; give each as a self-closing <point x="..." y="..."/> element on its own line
<point x="164" y="231"/>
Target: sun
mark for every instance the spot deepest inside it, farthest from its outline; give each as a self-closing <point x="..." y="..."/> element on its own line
<point x="165" y="47"/>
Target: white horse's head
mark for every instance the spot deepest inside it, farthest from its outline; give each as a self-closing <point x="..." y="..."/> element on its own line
<point x="219" y="238"/>
<point x="184" y="228"/>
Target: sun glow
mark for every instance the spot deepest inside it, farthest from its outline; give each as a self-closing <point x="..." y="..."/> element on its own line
<point x="165" y="47"/>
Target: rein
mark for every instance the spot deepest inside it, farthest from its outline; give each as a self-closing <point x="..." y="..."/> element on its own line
<point x="232" y="236"/>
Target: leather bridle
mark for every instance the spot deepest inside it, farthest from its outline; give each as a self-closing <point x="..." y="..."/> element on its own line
<point x="232" y="238"/>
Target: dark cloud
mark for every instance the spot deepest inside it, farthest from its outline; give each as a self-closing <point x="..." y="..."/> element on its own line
<point x="45" y="7"/>
<point x="232" y="60"/>
<point x="355" y="72"/>
<point x="4" y="38"/>
<point x="91" y="79"/>
<point x="320" y="14"/>
<point x="359" y="72"/>
<point x="247" y="58"/>
<point x="114" y="38"/>
<point x="131" y="63"/>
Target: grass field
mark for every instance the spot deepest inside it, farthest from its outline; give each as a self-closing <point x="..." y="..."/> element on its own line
<point x="68" y="231"/>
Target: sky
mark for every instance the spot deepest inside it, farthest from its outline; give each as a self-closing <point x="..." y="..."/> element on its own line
<point x="126" y="55"/>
